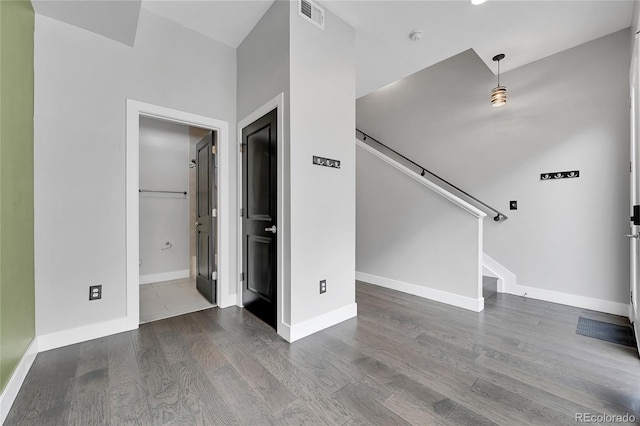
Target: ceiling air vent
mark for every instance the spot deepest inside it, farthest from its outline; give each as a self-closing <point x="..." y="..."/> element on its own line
<point x="312" y="12"/>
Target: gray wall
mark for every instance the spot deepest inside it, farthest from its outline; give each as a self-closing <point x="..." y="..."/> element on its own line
<point x="319" y="203"/>
<point x="164" y="166"/>
<point x="82" y="82"/>
<point x="263" y="61"/>
<point x="322" y="199"/>
<point x="635" y="21"/>
<point x="569" y="111"/>
<point x="263" y="73"/>
<point x="418" y="248"/>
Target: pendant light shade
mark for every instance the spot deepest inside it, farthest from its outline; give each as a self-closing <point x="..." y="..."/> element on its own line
<point x="499" y="93"/>
<point x="498" y="96"/>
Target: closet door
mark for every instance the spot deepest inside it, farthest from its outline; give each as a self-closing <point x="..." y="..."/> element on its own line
<point x="206" y="186"/>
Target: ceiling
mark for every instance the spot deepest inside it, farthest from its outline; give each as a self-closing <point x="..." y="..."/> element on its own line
<point x="117" y="20"/>
<point x="525" y="31"/>
<point x="227" y="21"/>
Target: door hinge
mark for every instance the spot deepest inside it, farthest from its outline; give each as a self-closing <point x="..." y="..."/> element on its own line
<point x="214" y="275"/>
<point x="214" y="150"/>
<point x="214" y="212"/>
<point x="241" y="276"/>
<point x="241" y="147"/>
<point x="241" y="212"/>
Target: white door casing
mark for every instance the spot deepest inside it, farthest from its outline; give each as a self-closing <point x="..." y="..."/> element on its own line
<point x="634" y="236"/>
<point x="227" y="268"/>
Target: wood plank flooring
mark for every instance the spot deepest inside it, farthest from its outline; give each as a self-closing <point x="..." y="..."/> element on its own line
<point x="404" y="360"/>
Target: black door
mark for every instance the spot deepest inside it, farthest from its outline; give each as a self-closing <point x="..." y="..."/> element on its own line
<point x="206" y="187"/>
<point x="259" y="217"/>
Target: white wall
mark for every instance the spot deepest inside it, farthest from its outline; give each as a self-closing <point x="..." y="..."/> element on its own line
<point x="322" y="198"/>
<point x="569" y="111"/>
<point x="82" y="81"/>
<point x="409" y="234"/>
<point x="164" y="166"/>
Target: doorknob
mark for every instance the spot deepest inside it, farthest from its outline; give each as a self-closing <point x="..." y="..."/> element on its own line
<point x="197" y="224"/>
<point x="633" y="236"/>
<point x="272" y="229"/>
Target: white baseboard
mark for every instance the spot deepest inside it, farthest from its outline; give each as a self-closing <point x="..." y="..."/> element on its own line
<point x="313" y="325"/>
<point x="165" y="276"/>
<point x="10" y="391"/>
<point x="83" y="334"/>
<point x="507" y="283"/>
<point x="284" y="331"/>
<point x="600" y="305"/>
<point x="464" y="302"/>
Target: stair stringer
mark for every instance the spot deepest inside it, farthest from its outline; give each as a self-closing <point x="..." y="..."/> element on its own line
<point x="507" y="281"/>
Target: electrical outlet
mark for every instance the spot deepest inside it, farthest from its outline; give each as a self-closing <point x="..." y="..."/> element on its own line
<point x="323" y="286"/>
<point x="95" y="292"/>
<point x="513" y="205"/>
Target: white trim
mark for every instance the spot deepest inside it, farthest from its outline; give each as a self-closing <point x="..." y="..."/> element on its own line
<point x="12" y="388"/>
<point x="136" y="109"/>
<point x="476" y="305"/>
<point x="506" y="278"/>
<point x="507" y="283"/>
<point x="600" y="305"/>
<point x="487" y="273"/>
<point x="164" y="276"/>
<point x="276" y="103"/>
<point x="313" y="325"/>
<point x="284" y="331"/>
<point x="82" y="334"/>
<point x="634" y="88"/>
<point x="480" y="243"/>
<point x="427" y="183"/>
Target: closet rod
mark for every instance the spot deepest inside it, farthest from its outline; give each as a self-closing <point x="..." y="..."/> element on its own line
<point x="165" y="192"/>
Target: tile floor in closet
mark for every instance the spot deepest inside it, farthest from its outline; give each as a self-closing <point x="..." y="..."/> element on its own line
<point x="170" y="298"/>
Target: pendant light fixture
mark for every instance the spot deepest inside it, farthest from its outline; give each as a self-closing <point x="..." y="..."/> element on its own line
<point x="499" y="93"/>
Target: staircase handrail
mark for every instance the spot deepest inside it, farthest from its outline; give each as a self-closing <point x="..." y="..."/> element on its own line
<point x="424" y="171"/>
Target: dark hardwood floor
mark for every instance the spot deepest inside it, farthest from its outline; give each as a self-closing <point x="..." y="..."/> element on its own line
<point x="404" y="360"/>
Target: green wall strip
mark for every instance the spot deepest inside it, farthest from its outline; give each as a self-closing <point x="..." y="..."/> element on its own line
<point x="17" y="298"/>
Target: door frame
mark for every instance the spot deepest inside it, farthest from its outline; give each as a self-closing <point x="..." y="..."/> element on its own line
<point x="134" y="110"/>
<point x="282" y="328"/>
<point x="633" y="184"/>
<point x="634" y="95"/>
